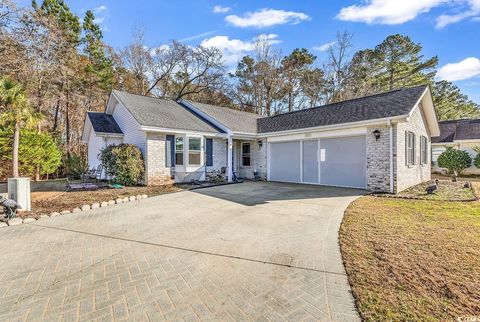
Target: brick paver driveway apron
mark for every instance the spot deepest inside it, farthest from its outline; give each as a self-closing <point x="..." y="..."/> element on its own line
<point x="250" y="251"/>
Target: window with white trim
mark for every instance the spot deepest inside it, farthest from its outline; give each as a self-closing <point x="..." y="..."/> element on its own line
<point x="178" y="150"/>
<point x="194" y="151"/>
<point x="423" y="150"/>
<point x="246" y="154"/>
<point x="409" y="148"/>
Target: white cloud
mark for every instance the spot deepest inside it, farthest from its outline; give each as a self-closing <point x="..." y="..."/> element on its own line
<point x="266" y="18"/>
<point x="465" y="69"/>
<point x="390" y="12"/>
<point x="100" y="9"/>
<point x="234" y="49"/>
<point x="324" y="47"/>
<point x="472" y="10"/>
<point x="220" y="9"/>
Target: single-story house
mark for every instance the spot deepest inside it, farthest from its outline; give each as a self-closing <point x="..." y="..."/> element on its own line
<point x="458" y="134"/>
<point x="379" y="143"/>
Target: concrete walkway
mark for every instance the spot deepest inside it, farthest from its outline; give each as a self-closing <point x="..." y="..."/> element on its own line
<point x="251" y="251"/>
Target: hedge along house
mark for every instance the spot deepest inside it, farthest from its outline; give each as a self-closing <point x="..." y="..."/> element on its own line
<point x="379" y="142"/>
<point x="458" y="134"/>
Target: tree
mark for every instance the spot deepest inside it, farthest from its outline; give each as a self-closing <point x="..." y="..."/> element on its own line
<point x="138" y="60"/>
<point x="454" y="160"/>
<point x="259" y="82"/>
<point x="398" y="62"/>
<point x="99" y="66"/>
<point x="294" y="69"/>
<point x="451" y="104"/>
<point x="38" y="152"/>
<point x="337" y="65"/>
<point x="314" y="87"/>
<point x="17" y="113"/>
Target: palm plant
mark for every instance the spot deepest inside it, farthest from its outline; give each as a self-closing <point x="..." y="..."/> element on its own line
<point x="16" y="112"/>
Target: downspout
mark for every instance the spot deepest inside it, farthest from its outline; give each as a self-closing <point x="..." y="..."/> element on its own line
<point x="390" y="129"/>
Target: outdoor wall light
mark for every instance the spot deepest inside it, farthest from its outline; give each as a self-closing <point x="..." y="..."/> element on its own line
<point x="260" y="143"/>
<point x="376" y="133"/>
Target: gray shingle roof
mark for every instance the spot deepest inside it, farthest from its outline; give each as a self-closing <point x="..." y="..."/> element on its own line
<point x="104" y="123"/>
<point x="458" y="130"/>
<point x="390" y="104"/>
<point x="235" y="120"/>
<point x="155" y="112"/>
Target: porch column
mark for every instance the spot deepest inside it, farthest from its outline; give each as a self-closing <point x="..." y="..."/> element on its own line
<point x="229" y="158"/>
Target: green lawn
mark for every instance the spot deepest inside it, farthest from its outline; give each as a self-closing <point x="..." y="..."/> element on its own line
<point x="413" y="260"/>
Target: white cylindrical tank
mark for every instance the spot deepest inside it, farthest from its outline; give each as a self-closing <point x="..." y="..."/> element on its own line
<point x="19" y="190"/>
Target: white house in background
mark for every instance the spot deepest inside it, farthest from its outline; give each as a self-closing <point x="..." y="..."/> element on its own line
<point x="459" y="134"/>
<point x="379" y="142"/>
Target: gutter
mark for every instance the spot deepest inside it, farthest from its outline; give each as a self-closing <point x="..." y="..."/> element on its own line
<point x="390" y="130"/>
<point x="335" y="126"/>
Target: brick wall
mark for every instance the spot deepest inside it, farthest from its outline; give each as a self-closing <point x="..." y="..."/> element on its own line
<point x="258" y="159"/>
<point x="378" y="159"/>
<point x="409" y="175"/>
<point x="156" y="172"/>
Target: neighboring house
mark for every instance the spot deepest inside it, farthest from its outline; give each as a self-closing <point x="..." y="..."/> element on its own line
<point x="379" y="142"/>
<point x="459" y="134"/>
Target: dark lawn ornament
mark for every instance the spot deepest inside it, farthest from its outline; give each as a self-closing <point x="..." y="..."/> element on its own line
<point x="432" y="188"/>
<point x="9" y="208"/>
<point x="466" y="185"/>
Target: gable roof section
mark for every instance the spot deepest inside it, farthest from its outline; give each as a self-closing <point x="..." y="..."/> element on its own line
<point x="458" y="130"/>
<point x="104" y="123"/>
<point x="235" y="120"/>
<point x="386" y="105"/>
<point x="163" y="114"/>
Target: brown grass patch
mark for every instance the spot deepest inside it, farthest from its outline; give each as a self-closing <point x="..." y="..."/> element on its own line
<point x="46" y="202"/>
<point x="413" y="260"/>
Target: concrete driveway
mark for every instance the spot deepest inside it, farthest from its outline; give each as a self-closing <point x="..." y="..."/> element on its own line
<point x="251" y="251"/>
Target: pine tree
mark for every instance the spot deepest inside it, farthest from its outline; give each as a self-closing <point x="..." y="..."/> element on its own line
<point x="399" y="63"/>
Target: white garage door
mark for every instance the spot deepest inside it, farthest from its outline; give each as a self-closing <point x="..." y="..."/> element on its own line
<point x="331" y="161"/>
<point x="285" y="161"/>
<point x="343" y="161"/>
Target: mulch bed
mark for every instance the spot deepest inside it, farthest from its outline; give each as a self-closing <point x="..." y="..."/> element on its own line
<point x="56" y="201"/>
<point x="447" y="191"/>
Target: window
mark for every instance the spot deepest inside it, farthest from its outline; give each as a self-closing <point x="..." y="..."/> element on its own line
<point x="194" y="151"/>
<point x="246" y="154"/>
<point x="179" y="150"/>
<point x="409" y="148"/>
<point x="423" y="150"/>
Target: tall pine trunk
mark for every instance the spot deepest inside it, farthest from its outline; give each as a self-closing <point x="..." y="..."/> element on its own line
<point x="16" y="143"/>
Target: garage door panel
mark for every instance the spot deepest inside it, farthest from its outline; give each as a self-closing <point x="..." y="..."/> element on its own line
<point x="343" y="161"/>
<point x="310" y="161"/>
<point x="285" y="161"/>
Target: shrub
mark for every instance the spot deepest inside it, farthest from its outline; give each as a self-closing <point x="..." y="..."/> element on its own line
<point x="454" y="160"/>
<point x="76" y="166"/>
<point x="124" y="162"/>
<point x="476" y="160"/>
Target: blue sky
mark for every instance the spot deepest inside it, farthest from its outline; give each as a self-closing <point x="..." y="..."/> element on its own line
<point x="449" y="29"/>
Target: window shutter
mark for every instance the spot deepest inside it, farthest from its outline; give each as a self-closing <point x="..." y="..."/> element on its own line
<point x="209" y="151"/>
<point x="422" y="160"/>
<point x="406" y="148"/>
<point x="414" y="143"/>
<point x="170" y="151"/>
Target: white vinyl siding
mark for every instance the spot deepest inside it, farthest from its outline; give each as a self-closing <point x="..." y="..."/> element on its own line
<point x="95" y="145"/>
<point x="130" y="127"/>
